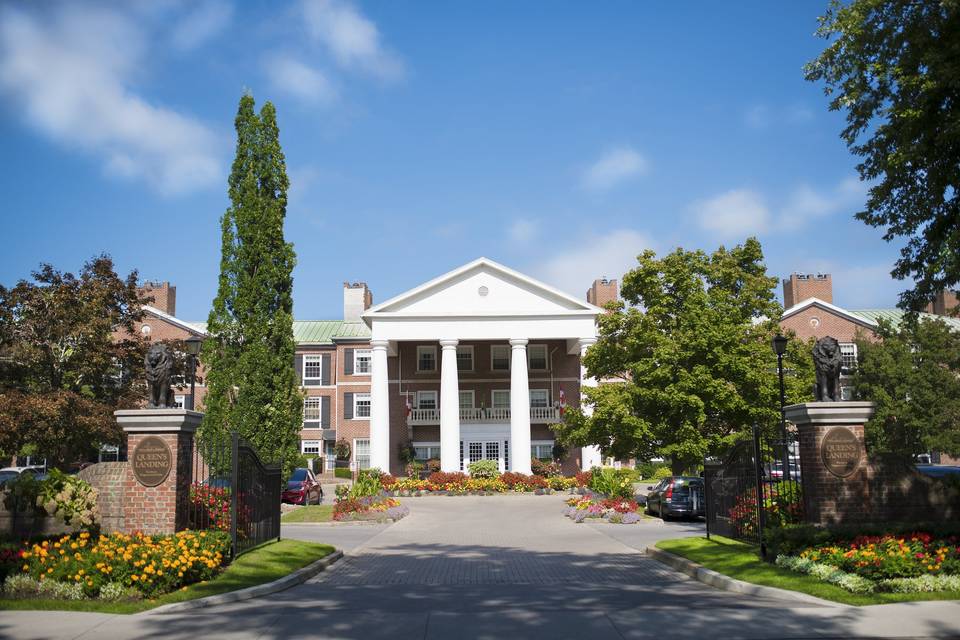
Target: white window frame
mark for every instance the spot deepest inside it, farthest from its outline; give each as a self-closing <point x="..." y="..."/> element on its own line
<point x="357" y="397"/>
<point x="312" y="400"/>
<point x="546" y="357"/>
<point x="473" y="398"/>
<point x="541" y="443"/>
<point x="313" y="444"/>
<point x="312" y="358"/>
<point x="428" y="393"/>
<point x="180" y="401"/>
<point x="356" y="453"/>
<point x="465" y="348"/>
<point x="546" y="392"/>
<point x="357" y="353"/>
<point x="848" y="350"/>
<point x="430" y="447"/>
<point x="493" y="398"/>
<point x="493" y="349"/>
<point x="427" y="348"/>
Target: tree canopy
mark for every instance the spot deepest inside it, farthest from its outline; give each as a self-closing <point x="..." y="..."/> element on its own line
<point x="69" y="356"/>
<point x="692" y="348"/>
<point x="913" y="376"/>
<point x="894" y="67"/>
<point x="251" y="384"/>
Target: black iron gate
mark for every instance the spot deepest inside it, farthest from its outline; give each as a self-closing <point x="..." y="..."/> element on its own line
<point x="232" y="490"/>
<point x="756" y="485"/>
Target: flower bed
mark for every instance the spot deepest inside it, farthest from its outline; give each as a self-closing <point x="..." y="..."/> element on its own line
<point x="378" y="508"/>
<point x="117" y="566"/>
<point x="899" y="563"/>
<point x="614" y="510"/>
<point x="463" y="484"/>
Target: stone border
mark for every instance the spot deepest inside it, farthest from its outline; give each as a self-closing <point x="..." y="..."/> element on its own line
<point x="337" y="523"/>
<point x="297" y="577"/>
<point x="726" y="583"/>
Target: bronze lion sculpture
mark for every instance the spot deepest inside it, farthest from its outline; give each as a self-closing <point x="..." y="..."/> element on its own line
<point x="827" y="362"/>
<point x="159" y="367"/>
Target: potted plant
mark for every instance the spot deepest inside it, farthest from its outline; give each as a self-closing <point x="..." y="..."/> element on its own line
<point x="342" y="452"/>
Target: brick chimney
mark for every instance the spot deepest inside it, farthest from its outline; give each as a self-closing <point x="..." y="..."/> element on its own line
<point x="944" y="303"/>
<point x="803" y="286"/>
<point x="356" y="299"/>
<point x="603" y="291"/>
<point x="164" y="296"/>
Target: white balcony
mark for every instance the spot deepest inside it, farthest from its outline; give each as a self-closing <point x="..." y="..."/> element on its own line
<point x="549" y="415"/>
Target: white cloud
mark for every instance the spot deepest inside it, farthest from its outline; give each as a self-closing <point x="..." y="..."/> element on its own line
<point x="207" y="20"/>
<point x="299" y="80"/>
<point x="70" y="72"/>
<point x="614" y="167"/>
<point x="574" y="268"/>
<point x="735" y="214"/>
<point x="806" y="204"/>
<point x="523" y="230"/>
<point x="353" y="40"/>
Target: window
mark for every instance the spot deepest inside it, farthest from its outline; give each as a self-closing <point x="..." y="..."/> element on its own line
<point x="500" y="357"/>
<point x="501" y="399"/>
<point x="466" y="399"/>
<point x="311" y="413"/>
<point x="426" y="358"/>
<point x="179" y="402"/>
<point x="537" y="357"/>
<point x="312" y="367"/>
<point x="145" y="330"/>
<point x="362" y="360"/>
<point x="848" y="355"/>
<point x="539" y="398"/>
<point x="361" y="405"/>
<point x="310" y="446"/>
<point x="424" y="451"/>
<point x="542" y="450"/>
<point x="426" y="399"/>
<point x="465" y="358"/>
<point x="361" y="453"/>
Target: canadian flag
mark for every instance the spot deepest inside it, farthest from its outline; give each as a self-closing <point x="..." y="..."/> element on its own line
<point x="409" y="406"/>
<point x="563" y="402"/>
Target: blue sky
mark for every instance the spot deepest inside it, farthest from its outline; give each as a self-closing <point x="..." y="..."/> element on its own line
<point x="559" y="138"/>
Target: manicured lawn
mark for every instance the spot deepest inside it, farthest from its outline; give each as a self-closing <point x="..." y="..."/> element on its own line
<point x="265" y="564"/>
<point x="311" y="513"/>
<point x="740" y="561"/>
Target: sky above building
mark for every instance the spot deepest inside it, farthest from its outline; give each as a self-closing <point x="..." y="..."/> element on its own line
<point x="559" y="138"/>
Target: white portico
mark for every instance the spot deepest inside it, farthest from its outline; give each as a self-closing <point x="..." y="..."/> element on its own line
<point x="488" y="331"/>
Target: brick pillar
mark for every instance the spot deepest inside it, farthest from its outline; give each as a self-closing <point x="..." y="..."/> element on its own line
<point x="833" y="463"/>
<point x="155" y="499"/>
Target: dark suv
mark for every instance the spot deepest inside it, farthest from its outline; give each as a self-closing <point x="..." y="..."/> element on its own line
<point x="677" y="497"/>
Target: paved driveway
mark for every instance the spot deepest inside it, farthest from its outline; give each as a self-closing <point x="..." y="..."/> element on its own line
<point x="499" y="567"/>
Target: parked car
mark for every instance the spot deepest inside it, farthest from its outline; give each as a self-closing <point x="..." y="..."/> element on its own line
<point x="302" y="488"/>
<point x="9" y="473"/>
<point x="938" y="470"/>
<point x="775" y="471"/>
<point x="677" y="497"/>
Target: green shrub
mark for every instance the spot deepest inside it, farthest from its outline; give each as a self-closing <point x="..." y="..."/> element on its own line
<point x="484" y="469"/>
<point x="69" y="499"/>
<point x="22" y="493"/>
<point x="662" y="472"/>
<point x="341" y="472"/>
<point x="646" y="470"/>
<point x="613" y="483"/>
<point x="367" y="484"/>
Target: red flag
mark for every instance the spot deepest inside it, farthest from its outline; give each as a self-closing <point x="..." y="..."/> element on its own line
<point x="409" y="407"/>
<point x="563" y="402"/>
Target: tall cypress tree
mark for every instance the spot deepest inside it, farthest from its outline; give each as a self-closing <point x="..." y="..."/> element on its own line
<point x="251" y="383"/>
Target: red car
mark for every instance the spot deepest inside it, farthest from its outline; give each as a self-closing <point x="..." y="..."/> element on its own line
<point x="302" y="488"/>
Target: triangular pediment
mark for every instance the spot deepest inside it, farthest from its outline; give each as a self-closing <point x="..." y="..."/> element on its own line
<point x="482" y="287"/>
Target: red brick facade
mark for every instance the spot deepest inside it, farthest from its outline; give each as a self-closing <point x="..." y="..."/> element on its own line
<point x="160" y="509"/>
<point x="803" y="286"/>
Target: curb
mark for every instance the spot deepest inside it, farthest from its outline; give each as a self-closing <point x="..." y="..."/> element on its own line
<point x="297" y="577"/>
<point x="719" y="581"/>
<point x="344" y="523"/>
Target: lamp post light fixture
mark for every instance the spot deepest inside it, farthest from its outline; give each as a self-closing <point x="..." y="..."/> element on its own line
<point x="193" y="344"/>
<point x="779" y="344"/>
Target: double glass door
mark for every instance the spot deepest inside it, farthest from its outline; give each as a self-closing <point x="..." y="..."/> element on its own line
<point x="475" y="450"/>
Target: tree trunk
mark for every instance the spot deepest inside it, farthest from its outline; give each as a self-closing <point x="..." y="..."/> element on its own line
<point x="677" y="466"/>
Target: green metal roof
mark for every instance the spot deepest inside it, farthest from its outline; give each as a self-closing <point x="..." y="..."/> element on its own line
<point x="327" y="331"/>
<point x="895" y="317"/>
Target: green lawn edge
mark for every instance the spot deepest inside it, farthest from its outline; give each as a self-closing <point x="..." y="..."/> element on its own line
<point x="742" y="562"/>
<point x="311" y="513"/>
<point x="266" y="563"/>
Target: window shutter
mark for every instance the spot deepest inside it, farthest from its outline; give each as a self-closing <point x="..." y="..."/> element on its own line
<point x="325" y="412"/>
<point x="348" y="362"/>
<point x="298" y="365"/>
<point x="325" y="369"/>
<point x="348" y="406"/>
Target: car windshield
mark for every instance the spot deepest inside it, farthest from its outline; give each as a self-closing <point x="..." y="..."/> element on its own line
<point x="299" y="475"/>
<point x="7" y="475"/>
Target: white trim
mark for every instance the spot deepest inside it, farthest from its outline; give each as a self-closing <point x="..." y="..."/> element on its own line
<point x="356" y="397"/>
<point x="433" y="349"/>
<point x="546" y="391"/>
<point x="163" y="315"/>
<point x="356" y="353"/>
<point x="473" y="398"/>
<point x="809" y="302"/>
<point x="501" y="346"/>
<point x="303" y="371"/>
<point x="473" y="362"/>
<point x="317" y="443"/>
<point x="546" y="356"/>
<point x="493" y="392"/>
<point x="434" y="393"/>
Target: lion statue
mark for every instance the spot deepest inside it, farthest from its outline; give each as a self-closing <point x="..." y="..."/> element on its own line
<point x="159" y="366"/>
<point x="827" y="362"/>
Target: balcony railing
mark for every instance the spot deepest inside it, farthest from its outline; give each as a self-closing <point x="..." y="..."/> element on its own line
<point x="467" y="416"/>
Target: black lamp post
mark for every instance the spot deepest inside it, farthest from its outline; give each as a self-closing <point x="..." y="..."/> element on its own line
<point x="779" y="348"/>
<point x="193" y="344"/>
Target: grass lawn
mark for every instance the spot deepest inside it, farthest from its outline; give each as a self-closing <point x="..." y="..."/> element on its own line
<point x="740" y="561"/>
<point x="264" y="564"/>
<point x="311" y="513"/>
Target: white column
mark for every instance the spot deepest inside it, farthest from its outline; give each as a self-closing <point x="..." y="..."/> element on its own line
<point x="379" y="407"/>
<point x="449" y="407"/>
<point x="589" y="456"/>
<point x="519" y="407"/>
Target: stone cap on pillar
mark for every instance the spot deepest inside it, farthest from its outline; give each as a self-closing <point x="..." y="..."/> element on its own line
<point x="830" y="413"/>
<point x="158" y="420"/>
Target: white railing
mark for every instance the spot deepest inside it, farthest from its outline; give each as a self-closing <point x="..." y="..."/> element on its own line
<point x="475" y="415"/>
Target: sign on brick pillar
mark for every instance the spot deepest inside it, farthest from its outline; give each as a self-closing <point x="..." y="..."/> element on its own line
<point x="156" y="486"/>
<point x="833" y="460"/>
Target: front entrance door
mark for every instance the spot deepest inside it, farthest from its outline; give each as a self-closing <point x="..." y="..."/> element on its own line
<point x="485" y="450"/>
